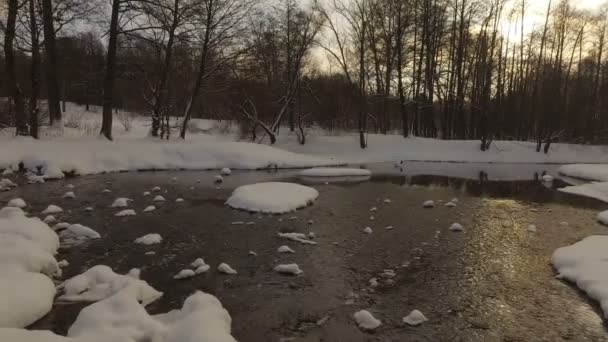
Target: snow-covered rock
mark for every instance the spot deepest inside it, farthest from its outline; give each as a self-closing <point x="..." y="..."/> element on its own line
<point x="225" y="172"/>
<point x="298" y="237"/>
<point x="77" y="233"/>
<point x="368" y="230"/>
<point x="184" y="274"/>
<point x="334" y="172"/>
<point x="450" y="204"/>
<point x="156" y="189"/>
<point x="146" y="193"/>
<point x="285" y="249"/>
<point x="100" y="282"/>
<point x="428" y="204"/>
<point x="63" y="263"/>
<point x="49" y="219"/>
<point x="218" y="179"/>
<point x="372" y="209"/>
<point x="365" y="320"/>
<point x="272" y="197"/>
<point x="200" y="266"/>
<point x="17" y="203"/>
<point x="415" y="318"/>
<point x="293" y="269"/>
<point x="158" y="198"/>
<point x="149" y="208"/>
<point x="69" y="195"/>
<point x="179" y="200"/>
<point x="121" y="202"/>
<point x="6" y="184"/>
<point x="584" y="263"/>
<point x="126" y="212"/>
<point x="456" y="227"/>
<point x="52" y="209"/>
<point x="149" y="239"/>
<point x="225" y="268"/>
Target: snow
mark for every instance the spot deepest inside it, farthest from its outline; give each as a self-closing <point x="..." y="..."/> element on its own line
<point x="149" y="239"/>
<point x="17" y="203"/>
<point x="456" y="227"/>
<point x="100" y="282"/>
<point x="158" y="198"/>
<point x="225" y="171"/>
<point x="450" y="204"/>
<point x="272" y="197"/>
<point x="285" y="249"/>
<point x="252" y="253"/>
<point x="106" y="191"/>
<point x="218" y="179"/>
<point x="52" y="209"/>
<point x="121" y="202"/>
<point x="334" y="172"/>
<point x="594" y="190"/>
<point x="146" y="193"/>
<point x="367" y="230"/>
<point x="584" y="263"/>
<point x="292" y="269"/>
<point x="179" y="200"/>
<point x="88" y="209"/>
<point x="184" y="274"/>
<point x="14" y="223"/>
<point x="428" y="204"/>
<point x="70" y="186"/>
<point x="298" y="237"/>
<point x="366" y="320"/>
<point x="126" y="212"/>
<point x="547" y="178"/>
<point x="590" y="172"/>
<point x="6" y="184"/>
<point x="77" y="233"/>
<point x="149" y="208"/>
<point x="69" y="195"/>
<point x="415" y="318"/>
<point x="49" y="219"/>
<point x="532" y="228"/>
<point x="26" y="297"/>
<point x="225" y="268"/>
<point x="372" y="209"/>
<point x="63" y="263"/>
<point x="200" y="266"/>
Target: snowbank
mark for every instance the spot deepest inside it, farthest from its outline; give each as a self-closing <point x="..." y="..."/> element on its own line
<point x="334" y="172"/>
<point x="585" y="264"/>
<point x="272" y="197"/>
<point x="591" y="172"/>
<point x="594" y="190"/>
<point x="84" y="156"/>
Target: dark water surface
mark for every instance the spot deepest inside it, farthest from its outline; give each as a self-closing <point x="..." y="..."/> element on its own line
<point x="494" y="282"/>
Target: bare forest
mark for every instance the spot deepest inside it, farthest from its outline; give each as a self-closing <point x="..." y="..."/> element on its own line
<point x="447" y="69"/>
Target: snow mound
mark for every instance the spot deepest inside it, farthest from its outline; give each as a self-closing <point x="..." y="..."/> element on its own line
<point x="158" y="198"/>
<point x="146" y="193"/>
<point x="285" y="249"/>
<point x="603" y="217"/>
<point x="14" y="223"/>
<point x="428" y="204"/>
<point x="149" y="208"/>
<point x="594" y="190"/>
<point x="121" y="202"/>
<point x="126" y="212"/>
<point x="225" y="172"/>
<point x="77" y="233"/>
<point x="365" y="320"/>
<point x="415" y="318"/>
<point x="293" y="269"/>
<point x="49" y="219"/>
<point x="200" y="266"/>
<point x="100" y="282"/>
<point x="298" y="237"/>
<point x="52" y="209"/>
<point x="184" y="274"/>
<point x="272" y="197"/>
<point x="225" y="268"/>
<point x="456" y="227"/>
<point x="591" y="172"/>
<point x="16" y="203"/>
<point x="334" y="172"/>
<point x="26" y="297"/>
<point x="156" y="189"/>
<point x="69" y="195"/>
<point x="367" y="230"/>
<point x="585" y="264"/>
<point x="149" y="239"/>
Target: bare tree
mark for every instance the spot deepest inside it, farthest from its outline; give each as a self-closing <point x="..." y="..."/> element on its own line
<point x="51" y="63"/>
<point x="11" y="69"/>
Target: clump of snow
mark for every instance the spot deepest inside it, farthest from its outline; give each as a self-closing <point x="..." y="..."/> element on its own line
<point x="293" y="269"/>
<point x="387" y="201"/>
<point x="225" y="268"/>
<point x="63" y="263"/>
<point x="149" y="208"/>
<point x="156" y="189"/>
<point x="158" y="198"/>
<point x="372" y="209"/>
<point x="17" y="203"/>
<point x="450" y="204"/>
<point x="532" y="228"/>
<point x="126" y="212"/>
<point x="106" y="191"/>
<point x="146" y="193"/>
<point x="237" y="223"/>
<point x="200" y="266"/>
<point x="584" y="263"/>
<point x="225" y="172"/>
<point x="149" y="239"/>
<point x="547" y="178"/>
<point x="61" y="225"/>
<point x="100" y="282"/>
<point x="179" y="200"/>
<point x="373" y="282"/>
<point x="272" y="197"/>
<point x="252" y="253"/>
<point x="6" y="184"/>
<point x="184" y="274"/>
<point x="335" y="172"/>
<point x="456" y="227"/>
<point x="69" y="195"/>
<point x="88" y="209"/>
<point x="52" y="209"/>
<point x="285" y="249"/>
<point x="218" y="179"/>
<point x="415" y="318"/>
<point x="365" y="320"/>
<point x="298" y="237"/>
<point x="428" y="204"/>
<point x="311" y="235"/>
<point x="49" y="219"/>
<point x="389" y="227"/>
<point x="121" y="202"/>
<point x="368" y="230"/>
<point x="76" y="233"/>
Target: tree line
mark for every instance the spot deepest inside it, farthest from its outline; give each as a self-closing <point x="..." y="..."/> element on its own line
<point x="450" y="69"/>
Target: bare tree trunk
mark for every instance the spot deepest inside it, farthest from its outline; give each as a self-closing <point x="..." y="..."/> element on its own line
<point x="108" y="82"/>
<point x="9" y="53"/>
<point x="51" y="63"/>
<point x="33" y="102"/>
